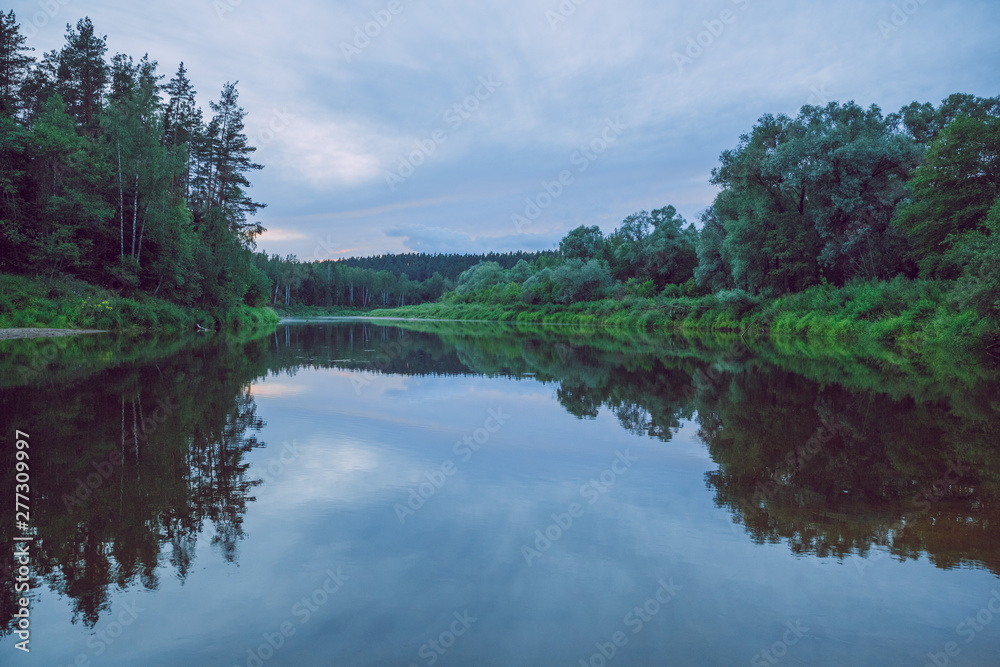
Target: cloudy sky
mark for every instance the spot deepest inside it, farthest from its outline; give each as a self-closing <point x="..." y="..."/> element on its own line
<point x="448" y="126"/>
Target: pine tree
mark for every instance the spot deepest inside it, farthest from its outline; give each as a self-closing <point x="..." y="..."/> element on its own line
<point x="14" y="65"/>
<point x="83" y="74"/>
<point x="39" y="85"/>
<point x="182" y="121"/>
<point x="230" y="161"/>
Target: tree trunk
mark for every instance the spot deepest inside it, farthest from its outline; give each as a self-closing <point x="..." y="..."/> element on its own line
<point x="142" y="229"/>
<point x="135" y="211"/>
<point x="121" y="201"/>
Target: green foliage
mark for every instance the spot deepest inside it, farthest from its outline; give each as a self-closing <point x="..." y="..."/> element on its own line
<point x="68" y="303"/>
<point x="952" y="191"/>
<point x="582" y="243"/>
<point x="737" y="302"/>
<point x="979" y="254"/>
<point x="812" y="195"/>
<point x="713" y="272"/>
<point x="95" y="178"/>
<point x="479" y="277"/>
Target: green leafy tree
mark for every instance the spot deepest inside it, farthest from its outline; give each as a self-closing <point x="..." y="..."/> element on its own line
<point x="627" y="245"/>
<point x="39" y="85"/>
<point x="480" y="277"/>
<point x="226" y="164"/>
<point x="924" y="122"/>
<point x="813" y="196"/>
<point x="182" y="120"/>
<point x="69" y="171"/>
<point x="582" y="243"/>
<point x="771" y="248"/>
<point x="952" y="191"/>
<point x="979" y="252"/>
<point x="670" y="254"/>
<point x="713" y="272"/>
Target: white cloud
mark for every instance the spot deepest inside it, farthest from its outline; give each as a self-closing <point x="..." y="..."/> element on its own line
<point x="281" y="235"/>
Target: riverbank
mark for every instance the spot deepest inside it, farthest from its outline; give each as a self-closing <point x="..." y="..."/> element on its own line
<point x="65" y="303"/>
<point x="9" y="334"/>
<point x="899" y="313"/>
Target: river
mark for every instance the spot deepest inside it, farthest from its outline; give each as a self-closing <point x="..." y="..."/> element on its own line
<point x="360" y="493"/>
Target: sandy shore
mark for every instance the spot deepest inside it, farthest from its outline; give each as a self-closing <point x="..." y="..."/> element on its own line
<point x="44" y="333"/>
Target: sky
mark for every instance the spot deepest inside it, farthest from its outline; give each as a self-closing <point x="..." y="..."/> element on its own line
<point x="400" y="125"/>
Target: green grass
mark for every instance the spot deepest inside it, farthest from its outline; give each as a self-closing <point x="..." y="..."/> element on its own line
<point x="901" y="313"/>
<point x="65" y="303"/>
<point x="296" y="310"/>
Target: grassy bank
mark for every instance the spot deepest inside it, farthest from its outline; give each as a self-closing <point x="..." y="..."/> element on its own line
<point x="900" y="312"/>
<point x="72" y="304"/>
<point x="298" y="310"/>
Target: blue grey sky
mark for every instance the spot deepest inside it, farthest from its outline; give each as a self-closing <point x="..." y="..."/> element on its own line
<point x="447" y="126"/>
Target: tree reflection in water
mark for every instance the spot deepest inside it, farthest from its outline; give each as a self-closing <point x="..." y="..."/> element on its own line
<point x="832" y="456"/>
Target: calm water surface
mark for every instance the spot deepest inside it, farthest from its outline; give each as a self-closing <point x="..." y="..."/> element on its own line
<point x="356" y="494"/>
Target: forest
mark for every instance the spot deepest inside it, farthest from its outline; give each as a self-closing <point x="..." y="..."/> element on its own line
<point x="841" y="216"/>
<point x="839" y="194"/>
<point x="114" y="176"/>
<point x="101" y="155"/>
<point x="375" y="282"/>
<point x="111" y="174"/>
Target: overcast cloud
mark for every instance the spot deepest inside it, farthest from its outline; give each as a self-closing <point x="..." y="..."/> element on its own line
<point x="456" y="116"/>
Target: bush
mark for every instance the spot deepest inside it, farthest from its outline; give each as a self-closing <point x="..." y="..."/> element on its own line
<point x="737" y="302"/>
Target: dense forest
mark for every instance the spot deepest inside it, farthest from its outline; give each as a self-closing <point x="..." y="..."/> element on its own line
<point x="110" y="175"/>
<point x="378" y="281"/>
<point x="114" y="177"/>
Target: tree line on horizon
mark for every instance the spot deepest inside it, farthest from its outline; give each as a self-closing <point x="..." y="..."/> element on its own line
<point x="376" y="281"/>
<point x="112" y="176"/>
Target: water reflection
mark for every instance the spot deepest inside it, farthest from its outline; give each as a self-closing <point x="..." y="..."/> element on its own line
<point x="130" y="463"/>
<point x="142" y="447"/>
